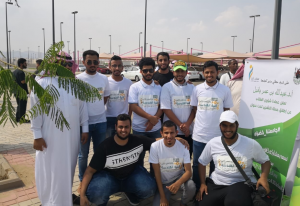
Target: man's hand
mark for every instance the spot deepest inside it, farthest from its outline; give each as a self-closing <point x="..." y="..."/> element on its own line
<point x="84" y="138"/>
<point x="173" y="187"/>
<point x="39" y="144"/>
<point x="163" y="201"/>
<point x="263" y="182"/>
<point x="156" y="82"/>
<point x="149" y="126"/>
<point x="154" y="120"/>
<point x="203" y="188"/>
<point x="184" y="142"/>
<point x="84" y="201"/>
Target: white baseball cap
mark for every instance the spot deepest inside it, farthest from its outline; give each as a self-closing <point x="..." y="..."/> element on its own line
<point x="228" y="116"/>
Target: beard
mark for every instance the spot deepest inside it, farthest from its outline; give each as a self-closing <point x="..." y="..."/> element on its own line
<point x="122" y="138"/>
<point x="147" y="78"/>
<point x="232" y="137"/>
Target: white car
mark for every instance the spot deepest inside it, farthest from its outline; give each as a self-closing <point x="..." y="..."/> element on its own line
<point x="193" y="73"/>
<point x="132" y="73"/>
<point x="81" y="67"/>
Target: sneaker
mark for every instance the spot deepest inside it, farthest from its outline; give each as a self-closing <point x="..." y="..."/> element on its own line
<point x="76" y="199"/>
<point x="132" y="199"/>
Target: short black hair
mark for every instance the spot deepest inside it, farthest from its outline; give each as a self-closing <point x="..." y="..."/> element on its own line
<point x="231" y="60"/>
<point x="21" y="61"/>
<point x="209" y="64"/>
<point x="89" y="52"/>
<point x="168" y="123"/>
<point x="116" y="58"/>
<point x="123" y="117"/>
<point x="146" y="61"/>
<point x="163" y="54"/>
<point x="39" y="61"/>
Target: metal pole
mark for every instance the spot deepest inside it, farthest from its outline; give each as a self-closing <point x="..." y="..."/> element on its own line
<point x="140" y="42"/>
<point x="119" y="49"/>
<point x="276" y="29"/>
<point x="28" y="53"/>
<point x="162" y="45"/>
<point x="250" y="45"/>
<point x="253" y="29"/>
<point x="68" y="47"/>
<point x="145" y="28"/>
<point x="53" y="22"/>
<point x="90" y="43"/>
<point x="7" y="52"/>
<point x="61" y="30"/>
<point x="187" y="45"/>
<point x="75" y="12"/>
<point x="44" y="41"/>
<point x="109" y="44"/>
<point x="233" y="41"/>
<point x="9" y="47"/>
<point x="38" y="52"/>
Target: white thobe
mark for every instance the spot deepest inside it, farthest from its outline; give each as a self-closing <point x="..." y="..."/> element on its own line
<point x="55" y="166"/>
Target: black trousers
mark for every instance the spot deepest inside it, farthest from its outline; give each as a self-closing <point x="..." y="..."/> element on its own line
<point x="21" y="109"/>
<point x="190" y="141"/>
<point x="238" y="194"/>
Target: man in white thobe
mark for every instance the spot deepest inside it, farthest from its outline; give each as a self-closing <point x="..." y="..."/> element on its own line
<point x="57" y="150"/>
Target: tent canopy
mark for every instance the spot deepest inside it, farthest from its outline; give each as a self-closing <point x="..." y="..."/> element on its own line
<point x="292" y="52"/>
<point x="187" y="58"/>
<point x="225" y="54"/>
<point x="105" y="56"/>
<point x="139" y="55"/>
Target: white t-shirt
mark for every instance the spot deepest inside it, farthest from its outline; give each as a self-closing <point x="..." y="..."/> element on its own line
<point x="210" y="102"/>
<point x="245" y="150"/>
<point x="147" y="97"/>
<point x="178" y="99"/>
<point x="96" y="109"/>
<point x="118" y="98"/>
<point x="225" y="78"/>
<point x="170" y="159"/>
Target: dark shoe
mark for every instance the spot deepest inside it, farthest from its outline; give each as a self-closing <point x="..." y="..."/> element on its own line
<point x="132" y="199"/>
<point x="76" y="199"/>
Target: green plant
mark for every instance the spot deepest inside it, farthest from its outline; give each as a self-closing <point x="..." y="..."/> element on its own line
<point x="48" y="96"/>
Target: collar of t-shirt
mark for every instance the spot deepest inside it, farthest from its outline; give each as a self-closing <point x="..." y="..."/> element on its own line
<point x="91" y="75"/>
<point x="177" y="84"/>
<point x="146" y="85"/>
<point x="231" y="147"/>
<point x="209" y="87"/>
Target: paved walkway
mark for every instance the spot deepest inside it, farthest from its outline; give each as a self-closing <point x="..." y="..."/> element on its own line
<point x="16" y="147"/>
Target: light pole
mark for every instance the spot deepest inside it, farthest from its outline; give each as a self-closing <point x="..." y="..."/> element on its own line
<point x="145" y="28"/>
<point x="61" y="30"/>
<point x="99" y="49"/>
<point x="140" y="41"/>
<point x="38" y="52"/>
<point x="68" y="47"/>
<point x="109" y="44"/>
<point x="44" y="41"/>
<point x="9" y="48"/>
<point x="90" y="43"/>
<point x="233" y="41"/>
<point x="74" y="12"/>
<point x="119" y="49"/>
<point x="276" y="29"/>
<point x="201" y="46"/>
<point x="253" y="16"/>
<point x="53" y="23"/>
<point x="250" y="45"/>
<point x="28" y="53"/>
<point x="187" y="45"/>
<point x="7" y="53"/>
<point x="162" y="45"/>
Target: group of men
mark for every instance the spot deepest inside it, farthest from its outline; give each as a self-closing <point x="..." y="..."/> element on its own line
<point x="168" y="114"/>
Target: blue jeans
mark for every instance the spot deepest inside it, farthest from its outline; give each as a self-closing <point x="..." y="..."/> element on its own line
<point x="154" y="135"/>
<point x="111" y="123"/>
<point x="198" y="148"/>
<point x="97" y="133"/>
<point x="139" y="183"/>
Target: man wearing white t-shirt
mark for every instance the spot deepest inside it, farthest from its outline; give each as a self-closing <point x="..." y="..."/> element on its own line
<point x="118" y="99"/>
<point x="226" y="185"/>
<point x="176" y="103"/>
<point x="144" y="99"/>
<point x="172" y="167"/>
<point x="209" y="100"/>
<point x="233" y="66"/>
<point x="96" y="109"/>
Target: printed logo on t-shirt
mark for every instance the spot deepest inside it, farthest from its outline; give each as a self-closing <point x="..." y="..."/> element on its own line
<point x="148" y="100"/>
<point x="100" y="90"/>
<point x="209" y="103"/>
<point x="171" y="164"/>
<point x="118" y="96"/>
<point x="181" y="101"/>
<point x="227" y="165"/>
<point x="123" y="159"/>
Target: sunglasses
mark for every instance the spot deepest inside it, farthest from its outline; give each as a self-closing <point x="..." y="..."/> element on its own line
<point x="115" y="66"/>
<point x="90" y="62"/>
<point x="145" y="71"/>
<point x="64" y="64"/>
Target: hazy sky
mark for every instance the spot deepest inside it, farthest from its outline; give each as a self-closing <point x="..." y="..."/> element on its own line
<point x="172" y="21"/>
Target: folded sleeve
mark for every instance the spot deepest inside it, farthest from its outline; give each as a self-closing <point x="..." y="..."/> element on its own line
<point x="165" y="102"/>
<point x="106" y="89"/>
<point x="206" y="156"/>
<point x="133" y="95"/>
<point x="84" y="117"/>
<point x="194" y="98"/>
<point x="153" y="157"/>
<point x="259" y="154"/>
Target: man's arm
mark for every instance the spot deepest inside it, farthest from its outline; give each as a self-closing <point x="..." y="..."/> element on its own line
<point x="88" y="174"/>
<point x="203" y="187"/>
<point x="163" y="199"/>
<point x="105" y="99"/>
<point x="263" y="180"/>
<point x="139" y="111"/>
<point x="185" y="177"/>
<point x="84" y="122"/>
<point x="185" y="127"/>
<point x="172" y="116"/>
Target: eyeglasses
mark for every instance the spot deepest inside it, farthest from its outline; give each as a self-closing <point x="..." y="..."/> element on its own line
<point x="145" y="71"/>
<point x="64" y="64"/>
<point x="115" y="66"/>
<point x="90" y="62"/>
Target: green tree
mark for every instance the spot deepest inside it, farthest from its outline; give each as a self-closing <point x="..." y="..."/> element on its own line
<point x="48" y="96"/>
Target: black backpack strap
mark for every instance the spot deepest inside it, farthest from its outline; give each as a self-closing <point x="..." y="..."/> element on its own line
<point x="235" y="161"/>
<point x="255" y="173"/>
<point x="229" y="75"/>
